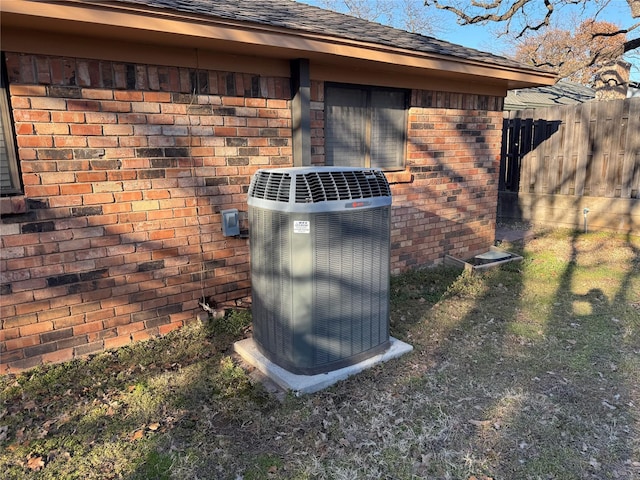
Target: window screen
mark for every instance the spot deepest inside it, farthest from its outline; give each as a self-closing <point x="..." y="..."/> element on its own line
<point x="365" y="126"/>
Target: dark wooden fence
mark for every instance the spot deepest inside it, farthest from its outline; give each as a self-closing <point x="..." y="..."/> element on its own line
<point x="558" y="161"/>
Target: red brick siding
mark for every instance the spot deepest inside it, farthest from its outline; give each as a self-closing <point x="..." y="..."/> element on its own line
<point x="125" y="173"/>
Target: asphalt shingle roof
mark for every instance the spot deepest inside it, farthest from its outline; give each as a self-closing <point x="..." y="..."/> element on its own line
<point x="292" y="15"/>
<point x="562" y="93"/>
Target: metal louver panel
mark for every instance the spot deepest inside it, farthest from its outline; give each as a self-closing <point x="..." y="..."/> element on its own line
<point x="271" y="282"/>
<point x="350" y="298"/>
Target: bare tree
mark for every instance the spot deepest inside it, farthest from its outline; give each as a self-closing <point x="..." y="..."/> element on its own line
<point x="575" y="51"/>
<point x="409" y="15"/>
<point x="526" y="16"/>
<point x="374" y="11"/>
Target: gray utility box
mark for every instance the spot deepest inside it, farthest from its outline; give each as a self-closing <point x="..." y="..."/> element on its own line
<point x="319" y="243"/>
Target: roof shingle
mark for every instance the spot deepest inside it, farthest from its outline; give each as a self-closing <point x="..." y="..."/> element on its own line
<point x="562" y="93"/>
<point x="295" y="16"/>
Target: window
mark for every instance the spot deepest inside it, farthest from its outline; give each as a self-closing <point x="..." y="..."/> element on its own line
<point x="365" y="126"/>
<point x="9" y="174"/>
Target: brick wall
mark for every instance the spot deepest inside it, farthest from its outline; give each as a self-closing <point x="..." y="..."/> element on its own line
<point x="126" y="168"/>
<point x="125" y="172"/>
<point x="454" y="157"/>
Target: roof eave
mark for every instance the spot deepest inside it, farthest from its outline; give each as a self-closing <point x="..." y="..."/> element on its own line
<point x="123" y="21"/>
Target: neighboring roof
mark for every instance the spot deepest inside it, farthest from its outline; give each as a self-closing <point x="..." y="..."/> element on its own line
<point x="562" y="93"/>
<point x="299" y="16"/>
<point x="277" y="29"/>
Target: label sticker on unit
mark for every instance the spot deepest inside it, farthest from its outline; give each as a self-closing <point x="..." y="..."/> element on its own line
<point x="301" y="226"/>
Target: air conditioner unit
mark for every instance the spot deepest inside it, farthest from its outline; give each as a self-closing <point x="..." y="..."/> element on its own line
<point x="319" y="245"/>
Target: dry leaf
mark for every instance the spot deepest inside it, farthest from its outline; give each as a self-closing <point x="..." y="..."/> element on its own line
<point x="35" y="463"/>
<point x="154" y="426"/>
<point x="62" y="419"/>
<point x="480" y="423"/>
<point x="137" y="435"/>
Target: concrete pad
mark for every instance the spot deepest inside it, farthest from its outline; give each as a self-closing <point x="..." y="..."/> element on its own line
<point x="302" y="384"/>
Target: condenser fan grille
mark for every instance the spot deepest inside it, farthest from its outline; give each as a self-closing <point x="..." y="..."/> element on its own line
<point x="271" y="185"/>
<point x="347" y="185"/>
<point x="319" y="186"/>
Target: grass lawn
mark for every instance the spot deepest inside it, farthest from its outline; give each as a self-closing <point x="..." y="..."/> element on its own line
<point x="528" y="371"/>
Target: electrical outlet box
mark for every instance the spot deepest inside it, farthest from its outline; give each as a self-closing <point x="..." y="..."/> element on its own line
<point x="230" y="223"/>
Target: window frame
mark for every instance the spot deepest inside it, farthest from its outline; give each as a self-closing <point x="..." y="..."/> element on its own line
<point x="8" y="133"/>
<point x="368" y="91"/>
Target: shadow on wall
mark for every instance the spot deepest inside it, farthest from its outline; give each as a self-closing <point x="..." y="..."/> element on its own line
<point x="132" y="267"/>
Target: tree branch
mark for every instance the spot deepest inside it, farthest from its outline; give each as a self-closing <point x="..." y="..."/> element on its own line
<point x="518" y="7"/>
<point x="487" y="17"/>
<point x="543" y="23"/>
<point x="629" y="44"/>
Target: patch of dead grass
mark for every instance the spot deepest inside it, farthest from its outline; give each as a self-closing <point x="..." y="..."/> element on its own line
<point x="528" y="371"/>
